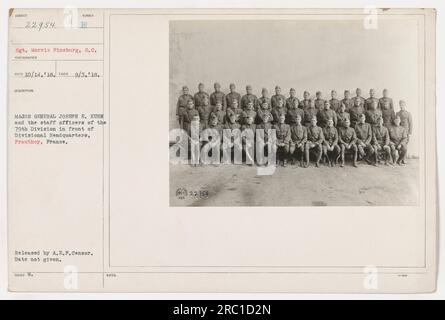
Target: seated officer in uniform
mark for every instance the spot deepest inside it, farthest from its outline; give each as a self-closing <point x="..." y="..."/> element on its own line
<point x="232" y="95"/>
<point x="363" y="131"/>
<point x="283" y="139"/>
<point x="342" y="115"/>
<point x="219" y="113"/>
<point x="331" y="150"/>
<point x="398" y="142"/>
<point x="298" y="140"/>
<point x="347" y="139"/>
<point x="315" y="140"/>
<point x="325" y="114"/>
<point x="235" y="110"/>
<point x="380" y="142"/>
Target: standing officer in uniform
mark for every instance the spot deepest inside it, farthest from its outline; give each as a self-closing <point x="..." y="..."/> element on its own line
<point x="278" y="110"/>
<point x="189" y="115"/>
<point x="372" y="113"/>
<point x="399" y="139"/>
<point x="315" y="140"/>
<point x="355" y="112"/>
<point x="298" y="134"/>
<point x="335" y="103"/>
<point x="372" y="98"/>
<point x="331" y="150"/>
<point x="306" y="102"/>
<point x="319" y="101"/>
<point x="359" y="97"/>
<point x="248" y="97"/>
<point x="325" y="114"/>
<point x="386" y="99"/>
<point x="388" y="113"/>
<point x="218" y="95"/>
<point x="347" y="139"/>
<point x="204" y="113"/>
<point x="264" y="98"/>
<point x="380" y="141"/>
<point x="283" y="139"/>
<point x="406" y="120"/>
<point x="277" y="96"/>
<point x="342" y="115"/>
<point x="199" y="96"/>
<point x="292" y="102"/>
<point x="363" y="132"/>
<point x="233" y="95"/>
<point x="181" y="106"/>
<point x="348" y="102"/>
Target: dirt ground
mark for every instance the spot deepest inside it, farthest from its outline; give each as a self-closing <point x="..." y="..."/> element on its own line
<point x="241" y="185"/>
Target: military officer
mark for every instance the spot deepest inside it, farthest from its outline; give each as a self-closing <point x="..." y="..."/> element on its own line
<point x="219" y="113"/>
<point x="264" y="98"/>
<point x="355" y="112"/>
<point x="342" y="115"/>
<point x="199" y="96"/>
<point x="249" y="111"/>
<point x="298" y="140"/>
<point x="380" y="141"/>
<point x="325" y="114"/>
<point x="348" y="102"/>
<point x="218" y="95"/>
<point x="235" y="110"/>
<point x="398" y="141"/>
<point x="406" y="120"/>
<point x="233" y="95"/>
<point x="292" y="112"/>
<point x="283" y="139"/>
<point x="335" y="103"/>
<point x="305" y="103"/>
<point x="181" y="106"/>
<point x="319" y="101"/>
<point x="385" y="99"/>
<point x="372" y="114"/>
<point x="278" y="110"/>
<point x="359" y="97"/>
<point x="232" y="122"/>
<point x="264" y="110"/>
<point x="218" y="128"/>
<point x="315" y="140"/>
<point x="204" y="113"/>
<point x="363" y="132"/>
<point x="277" y="96"/>
<point x="372" y="98"/>
<point x="331" y="150"/>
<point x="388" y="113"/>
<point x="249" y="125"/>
<point x="309" y="113"/>
<point x="189" y="115"/>
<point x="249" y="96"/>
<point x="347" y="139"/>
<point x="292" y="101"/>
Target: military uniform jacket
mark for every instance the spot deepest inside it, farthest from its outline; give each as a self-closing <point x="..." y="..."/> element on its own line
<point x="373" y="116"/>
<point x="319" y="103"/>
<point x="309" y="113"/>
<point x="221" y="115"/>
<point x="218" y="96"/>
<point x="189" y="114"/>
<point x="282" y="132"/>
<point x="199" y="98"/>
<point x="292" y="113"/>
<point x="248" y="97"/>
<point x="315" y="134"/>
<point x="406" y="120"/>
<point x="363" y="132"/>
<point x="324" y="115"/>
<point x="292" y="102"/>
<point x="368" y="103"/>
<point x="335" y="104"/>
<point x="341" y="118"/>
<point x="361" y="99"/>
<point x="277" y="112"/>
<point x="182" y="102"/>
<point x="275" y="98"/>
<point x="349" y="103"/>
<point x="298" y="134"/>
<point x="260" y="102"/>
<point x="304" y="104"/>
<point x="355" y="113"/>
<point x="388" y="115"/>
<point x="380" y="135"/>
<point x="230" y="111"/>
<point x="347" y="135"/>
<point x="330" y="136"/>
<point x="262" y="113"/>
<point x="249" y="113"/>
<point x="383" y="100"/>
<point x="398" y="135"/>
<point x="233" y="96"/>
<point x="204" y="112"/>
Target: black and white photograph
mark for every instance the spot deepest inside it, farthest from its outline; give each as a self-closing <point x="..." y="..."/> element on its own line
<point x="295" y="112"/>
